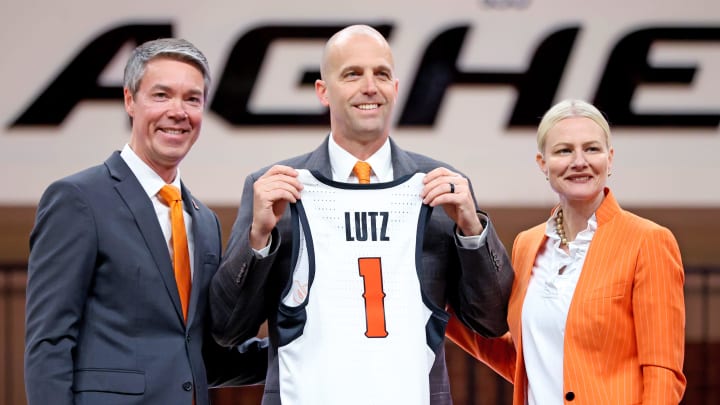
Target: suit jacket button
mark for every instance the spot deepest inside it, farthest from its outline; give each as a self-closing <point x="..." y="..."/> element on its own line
<point x="570" y="395"/>
<point x="187" y="386"/>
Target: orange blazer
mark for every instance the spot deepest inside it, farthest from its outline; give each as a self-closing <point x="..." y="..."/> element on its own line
<point x="625" y="330"/>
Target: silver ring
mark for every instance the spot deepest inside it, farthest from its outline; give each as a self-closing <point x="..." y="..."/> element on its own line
<point x="452" y="187"/>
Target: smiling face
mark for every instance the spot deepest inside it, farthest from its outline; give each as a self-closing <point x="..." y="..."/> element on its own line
<point x="576" y="159"/>
<point x="359" y="87"/>
<point x="166" y="114"/>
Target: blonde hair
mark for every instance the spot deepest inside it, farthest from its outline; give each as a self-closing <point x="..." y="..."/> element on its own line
<point x="569" y="109"/>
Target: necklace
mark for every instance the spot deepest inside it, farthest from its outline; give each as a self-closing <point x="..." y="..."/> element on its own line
<point x="559" y="228"/>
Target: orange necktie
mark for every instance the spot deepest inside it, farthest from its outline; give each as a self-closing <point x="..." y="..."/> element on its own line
<point x="362" y="171"/>
<point x="181" y="256"/>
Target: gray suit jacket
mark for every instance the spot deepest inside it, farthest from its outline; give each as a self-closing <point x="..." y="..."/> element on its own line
<point x="246" y="291"/>
<point x="104" y="323"/>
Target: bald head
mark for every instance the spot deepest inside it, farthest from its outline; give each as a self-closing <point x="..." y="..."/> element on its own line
<point x="359" y="87"/>
<point x="341" y="38"/>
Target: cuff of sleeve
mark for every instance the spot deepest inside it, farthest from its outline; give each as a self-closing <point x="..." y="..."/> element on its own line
<point x="264" y="252"/>
<point x="475" y="241"/>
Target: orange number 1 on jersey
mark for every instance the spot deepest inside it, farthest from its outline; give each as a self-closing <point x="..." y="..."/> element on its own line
<point x="371" y="272"/>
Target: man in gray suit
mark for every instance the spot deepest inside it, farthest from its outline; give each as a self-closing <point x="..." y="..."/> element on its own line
<point x="464" y="264"/>
<point x="104" y="321"/>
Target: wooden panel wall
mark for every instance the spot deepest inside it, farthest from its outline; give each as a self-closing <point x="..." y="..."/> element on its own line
<point x="696" y="229"/>
<point x="697" y="232"/>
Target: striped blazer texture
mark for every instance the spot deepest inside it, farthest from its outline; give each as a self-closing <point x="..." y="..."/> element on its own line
<point x="625" y="330"/>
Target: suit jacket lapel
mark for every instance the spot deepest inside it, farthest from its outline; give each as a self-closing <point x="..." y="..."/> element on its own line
<point x="523" y="262"/>
<point x="603" y="244"/>
<point x="319" y="159"/>
<point x="132" y="193"/>
<point x="199" y="238"/>
<point x="402" y="163"/>
<point x="523" y="257"/>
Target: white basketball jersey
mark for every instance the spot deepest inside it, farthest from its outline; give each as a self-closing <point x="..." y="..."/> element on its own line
<point x="352" y="322"/>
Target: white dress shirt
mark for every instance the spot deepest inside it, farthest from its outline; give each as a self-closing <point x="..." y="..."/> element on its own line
<point x="544" y="314"/>
<point x="342" y="163"/>
<point x="151" y="182"/>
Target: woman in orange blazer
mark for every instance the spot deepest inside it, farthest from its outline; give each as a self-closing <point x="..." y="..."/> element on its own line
<point x="596" y="312"/>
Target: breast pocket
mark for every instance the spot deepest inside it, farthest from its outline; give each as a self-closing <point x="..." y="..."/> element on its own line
<point x="211" y="259"/>
<point x="210" y="264"/>
<point x="613" y="290"/>
<point x="601" y="312"/>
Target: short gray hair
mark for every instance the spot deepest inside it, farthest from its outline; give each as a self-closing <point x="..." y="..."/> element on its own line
<point x="569" y="109"/>
<point x="171" y="48"/>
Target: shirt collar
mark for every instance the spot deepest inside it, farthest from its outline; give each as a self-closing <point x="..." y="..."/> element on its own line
<point x="150" y="181"/>
<point x="583" y="238"/>
<point x="342" y="162"/>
